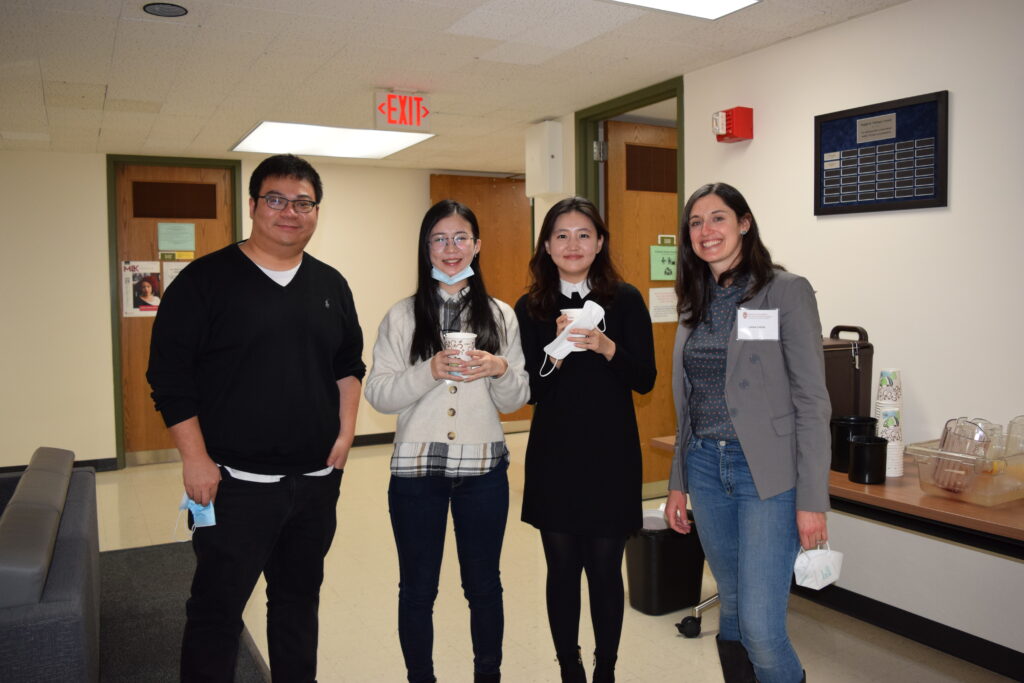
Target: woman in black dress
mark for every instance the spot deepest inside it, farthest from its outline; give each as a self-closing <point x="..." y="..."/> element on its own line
<point x="583" y="465"/>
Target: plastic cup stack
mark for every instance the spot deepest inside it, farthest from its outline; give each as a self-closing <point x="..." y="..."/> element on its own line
<point x="889" y="413"/>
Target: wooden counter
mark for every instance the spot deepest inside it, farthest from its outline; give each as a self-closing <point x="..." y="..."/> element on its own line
<point x="903" y="496"/>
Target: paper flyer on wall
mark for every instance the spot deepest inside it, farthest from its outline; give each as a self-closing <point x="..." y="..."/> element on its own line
<point x="663" y="304"/>
<point x="171" y="270"/>
<point x="140" y="288"/>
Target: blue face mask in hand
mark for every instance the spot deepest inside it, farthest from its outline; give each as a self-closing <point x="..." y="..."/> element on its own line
<point x="451" y="279"/>
<point x="202" y="515"/>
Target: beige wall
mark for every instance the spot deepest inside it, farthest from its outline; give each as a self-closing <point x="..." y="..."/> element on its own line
<point x="939" y="290"/>
<point x="55" y="341"/>
<point x="56" y="367"/>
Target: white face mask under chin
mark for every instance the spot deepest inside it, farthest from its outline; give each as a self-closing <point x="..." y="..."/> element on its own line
<point x="564" y="344"/>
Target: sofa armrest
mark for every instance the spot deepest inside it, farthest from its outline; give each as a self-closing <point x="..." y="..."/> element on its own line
<point x="29" y="526"/>
<point x="57" y="639"/>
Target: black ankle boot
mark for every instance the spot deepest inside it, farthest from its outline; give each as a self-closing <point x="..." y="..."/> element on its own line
<point x="486" y="678"/>
<point x="571" y="666"/>
<point x="604" y="669"/>
<point x="736" y="666"/>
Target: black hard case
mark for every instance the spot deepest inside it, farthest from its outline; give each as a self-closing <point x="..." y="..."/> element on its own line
<point x="848" y="371"/>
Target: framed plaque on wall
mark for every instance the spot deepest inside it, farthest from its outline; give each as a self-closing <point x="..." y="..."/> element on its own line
<point x="882" y="157"/>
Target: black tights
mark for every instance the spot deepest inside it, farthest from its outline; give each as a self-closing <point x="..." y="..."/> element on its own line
<point x="568" y="555"/>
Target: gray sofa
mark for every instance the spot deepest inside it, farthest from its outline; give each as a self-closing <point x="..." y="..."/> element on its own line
<point x="49" y="571"/>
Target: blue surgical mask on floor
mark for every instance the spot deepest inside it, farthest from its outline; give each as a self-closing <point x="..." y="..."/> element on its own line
<point x="451" y="279"/>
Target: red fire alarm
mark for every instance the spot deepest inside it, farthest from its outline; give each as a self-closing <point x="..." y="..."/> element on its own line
<point x="733" y="125"/>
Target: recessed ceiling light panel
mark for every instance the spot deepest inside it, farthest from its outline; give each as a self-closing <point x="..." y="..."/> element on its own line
<point x="164" y="9"/>
<point x="704" y="9"/>
<point x="274" y="137"/>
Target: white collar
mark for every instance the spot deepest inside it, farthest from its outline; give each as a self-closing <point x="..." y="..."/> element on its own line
<point x="445" y="296"/>
<point x="583" y="287"/>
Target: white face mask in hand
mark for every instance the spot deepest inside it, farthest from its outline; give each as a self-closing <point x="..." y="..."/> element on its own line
<point x="565" y="343"/>
<point x="817" y="568"/>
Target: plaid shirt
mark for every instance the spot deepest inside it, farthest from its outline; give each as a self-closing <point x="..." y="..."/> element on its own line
<point x="446" y="460"/>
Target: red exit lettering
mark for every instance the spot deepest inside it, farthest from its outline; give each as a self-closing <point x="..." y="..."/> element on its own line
<point x="403" y="110"/>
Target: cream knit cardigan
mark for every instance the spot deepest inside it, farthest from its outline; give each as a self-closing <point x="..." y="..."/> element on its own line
<point x="443" y="411"/>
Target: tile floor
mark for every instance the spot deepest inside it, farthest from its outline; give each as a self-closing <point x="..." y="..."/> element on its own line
<point x="358" y="635"/>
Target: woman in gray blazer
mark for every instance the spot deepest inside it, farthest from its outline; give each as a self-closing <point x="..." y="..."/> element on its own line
<point x="752" y="439"/>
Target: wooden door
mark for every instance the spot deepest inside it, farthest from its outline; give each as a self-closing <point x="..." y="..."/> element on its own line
<point x="640" y="204"/>
<point x="148" y="196"/>
<point x="503" y="211"/>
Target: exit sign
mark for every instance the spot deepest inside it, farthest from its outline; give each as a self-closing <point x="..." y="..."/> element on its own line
<point x="401" y="111"/>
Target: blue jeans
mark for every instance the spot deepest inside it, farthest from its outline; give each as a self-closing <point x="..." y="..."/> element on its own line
<point x="419" y="516"/>
<point x="751" y="545"/>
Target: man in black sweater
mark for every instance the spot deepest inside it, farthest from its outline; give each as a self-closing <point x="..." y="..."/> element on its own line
<point x="256" y="367"/>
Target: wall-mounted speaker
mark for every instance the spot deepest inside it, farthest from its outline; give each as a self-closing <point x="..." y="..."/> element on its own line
<point x="544" y="159"/>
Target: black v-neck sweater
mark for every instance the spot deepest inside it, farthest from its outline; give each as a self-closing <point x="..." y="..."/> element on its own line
<point x="256" y="362"/>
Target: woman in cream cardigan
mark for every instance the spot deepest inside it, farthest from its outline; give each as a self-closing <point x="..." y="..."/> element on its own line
<point x="752" y="446"/>
<point x="449" y="445"/>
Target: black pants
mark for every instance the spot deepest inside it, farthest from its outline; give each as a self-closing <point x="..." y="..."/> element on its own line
<point x="282" y="530"/>
<point x="568" y="555"/>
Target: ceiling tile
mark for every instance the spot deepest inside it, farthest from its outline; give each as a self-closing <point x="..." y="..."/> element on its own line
<point x="128" y="120"/>
<point x="77" y="95"/>
<point x="22" y="121"/>
<point x="59" y="118"/>
<point x="75" y="47"/>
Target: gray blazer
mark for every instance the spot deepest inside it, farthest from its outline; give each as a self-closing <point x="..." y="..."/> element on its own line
<point x="776" y="395"/>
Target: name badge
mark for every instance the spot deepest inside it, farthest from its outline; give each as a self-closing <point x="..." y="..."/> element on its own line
<point x="757" y="325"/>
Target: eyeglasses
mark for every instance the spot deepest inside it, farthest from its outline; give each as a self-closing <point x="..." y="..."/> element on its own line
<point x="278" y="203"/>
<point x="441" y="242"/>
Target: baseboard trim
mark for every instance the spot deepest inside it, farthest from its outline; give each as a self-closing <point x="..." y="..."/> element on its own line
<point x="154" y="457"/>
<point x="373" y="439"/>
<point x="971" y="648"/>
<point x="101" y="465"/>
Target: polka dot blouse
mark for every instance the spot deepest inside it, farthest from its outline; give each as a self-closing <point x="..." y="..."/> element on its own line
<point x="704" y="360"/>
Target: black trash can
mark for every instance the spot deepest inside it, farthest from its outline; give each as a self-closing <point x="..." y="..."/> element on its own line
<point x="664" y="570"/>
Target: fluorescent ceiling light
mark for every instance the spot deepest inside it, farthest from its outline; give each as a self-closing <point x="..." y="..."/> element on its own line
<point x="273" y="137"/>
<point x="705" y="9"/>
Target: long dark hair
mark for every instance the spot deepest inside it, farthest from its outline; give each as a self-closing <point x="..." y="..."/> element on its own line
<point x="603" y="279"/>
<point x="694" y="274"/>
<point x="426" y="339"/>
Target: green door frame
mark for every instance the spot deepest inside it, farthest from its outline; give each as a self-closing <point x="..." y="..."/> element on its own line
<point x="589" y="120"/>
<point x="235" y="166"/>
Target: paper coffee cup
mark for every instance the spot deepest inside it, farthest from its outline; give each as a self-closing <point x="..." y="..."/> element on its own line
<point x="572" y="313"/>
<point x="890" y="423"/>
<point x="894" y="459"/>
<point x="884" y="405"/>
<point x="463" y="342"/>
<point x="890" y="387"/>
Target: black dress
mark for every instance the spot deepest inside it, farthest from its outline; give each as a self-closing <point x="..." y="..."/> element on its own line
<point x="583" y="463"/>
